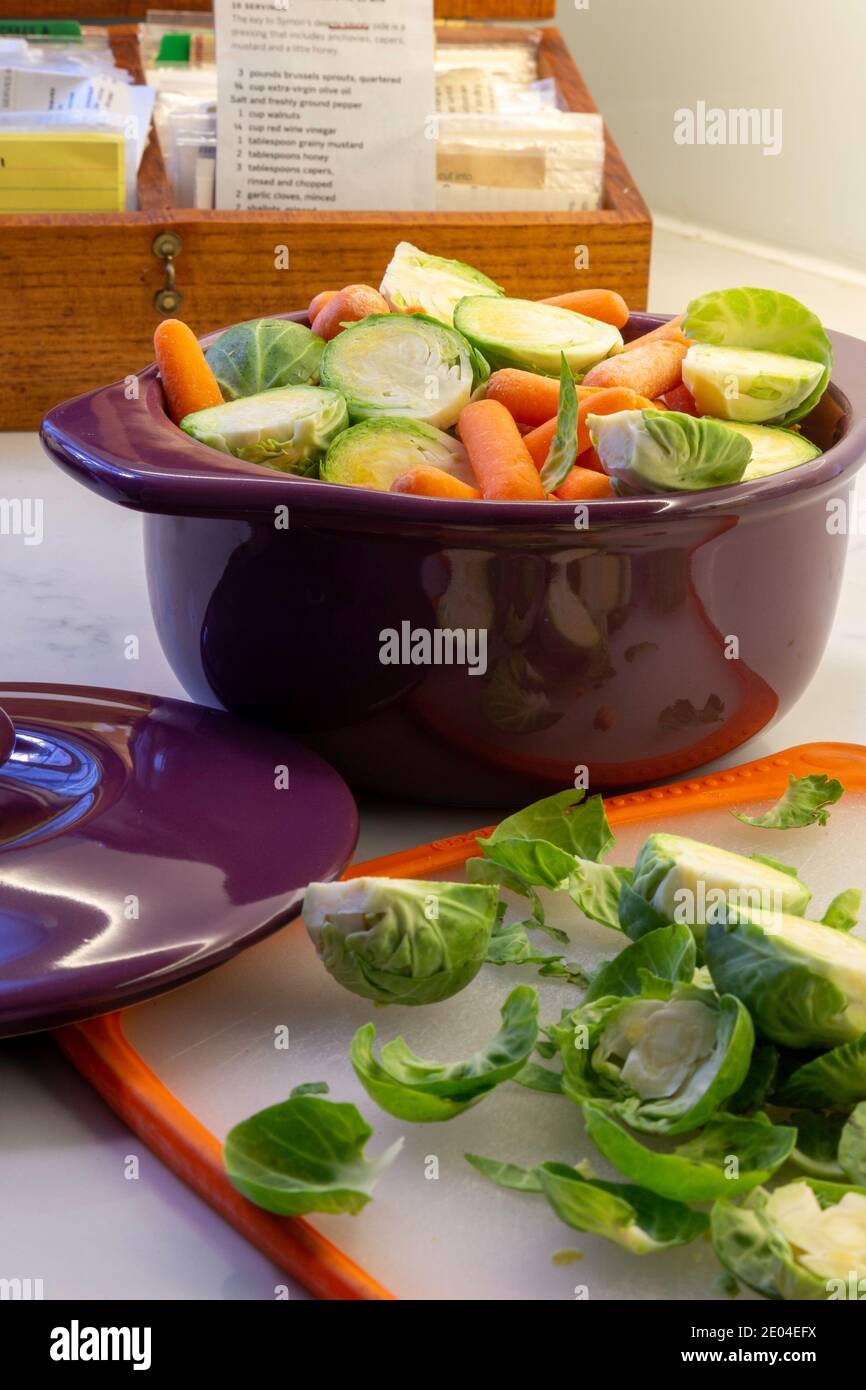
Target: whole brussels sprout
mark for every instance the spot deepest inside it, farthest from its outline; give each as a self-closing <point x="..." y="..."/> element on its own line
<point x="263" y="353"/>
<point x="401" y="941"/>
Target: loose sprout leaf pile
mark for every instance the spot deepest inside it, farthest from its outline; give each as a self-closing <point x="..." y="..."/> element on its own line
<point x="441" y="385"/>
<point x="717" y="1058"/>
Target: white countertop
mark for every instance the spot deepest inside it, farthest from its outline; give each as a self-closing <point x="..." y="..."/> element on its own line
<point x="67" y="1213"/>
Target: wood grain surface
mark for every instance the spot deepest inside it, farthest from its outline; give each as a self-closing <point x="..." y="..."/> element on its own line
<point x="94" y="10"/>
<point x="76" y="310"/>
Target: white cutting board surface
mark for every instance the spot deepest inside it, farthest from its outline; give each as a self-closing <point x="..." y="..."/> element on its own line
<point x="455" y="1236"/>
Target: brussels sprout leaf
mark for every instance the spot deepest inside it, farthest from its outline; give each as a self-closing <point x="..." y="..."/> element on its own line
<point x="563" y="446"/>
<point x="833" y="1080"/>
<point x="667" y="952"/>
<point x="728" y="1156"/>
<point x="423" y="1092"/>
<point x="306" y="1154"/>
<point x="537" y="1078"/>
<point x="852" y="1146"/>
<point x="506" y="1174"/>
<point x="804" y="803"/>
<point x="310" y="1088"/>
<point x="759" y="1081"/>
<point x="565" y="819"/>
<point x="817" y="1148"/>
<point x="843" y="911"/>
<point x="637" y="917"/>
<point x="595" y="888"/>
<point x="510" y="945"/>
<point x="638" y="1220"/>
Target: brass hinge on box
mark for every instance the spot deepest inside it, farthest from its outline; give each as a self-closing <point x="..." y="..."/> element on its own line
<point x="166" y="247"/>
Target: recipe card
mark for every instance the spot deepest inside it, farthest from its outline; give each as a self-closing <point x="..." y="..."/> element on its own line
<point x="325" y="104"/>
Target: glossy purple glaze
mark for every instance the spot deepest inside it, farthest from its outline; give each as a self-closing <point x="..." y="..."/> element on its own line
<point x="7" y="736"/>
<point x="143" y="841"/>
<point x="607" y="624"/>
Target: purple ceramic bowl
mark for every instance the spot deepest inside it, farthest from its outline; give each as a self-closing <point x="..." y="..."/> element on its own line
<point x="638" y="638"/>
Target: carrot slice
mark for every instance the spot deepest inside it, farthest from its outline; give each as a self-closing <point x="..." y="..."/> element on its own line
<point x="187" y="380"/>
<point x="584" y="482"/>
<point x="666" y="332"/>
<point x="530" y="398"/>
<point x="500" y="460"/>
<point x="650" y="371"/>
<point x="425" y="480"/>
<point x="604" y="402"/>
<point x="605" y="305"/>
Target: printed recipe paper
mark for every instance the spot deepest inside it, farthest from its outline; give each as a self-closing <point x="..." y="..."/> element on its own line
<point x="325" y="104"/>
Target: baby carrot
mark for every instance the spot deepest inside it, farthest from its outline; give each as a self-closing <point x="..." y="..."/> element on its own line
<point x="603" y="402"/>
<point x="605" y="305"/>
<point x="538" y="442"/>
<point x="347" y="306"/>
<point x="666" y="332"/>
<point x="499" y="457"/>
<point x="187" y="380"/>
<point x="319" y="301"/>
<point x="530" y="398"/>
<point x="584" y="482"/>
<point x="650" y="370"/>
<point x="425" y="480"/>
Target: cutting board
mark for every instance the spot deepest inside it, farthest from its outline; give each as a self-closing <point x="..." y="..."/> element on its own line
<point x="184" y="1068"/>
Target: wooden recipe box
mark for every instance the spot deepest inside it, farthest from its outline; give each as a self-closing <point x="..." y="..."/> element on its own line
<point x="77" y="307"/>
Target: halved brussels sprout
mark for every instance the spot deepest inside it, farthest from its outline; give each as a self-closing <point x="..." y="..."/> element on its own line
<point x="262" y="354"/>
<point x="524" y="333"/>
<point x="765" y="321"/>
<point x="803" y="983"/>
<point x="375" y="453"/>
<point x="665" y="1061"/>
<point x="401" y="941"/>
<point x="774" y="450"/>
<point x="806" y="1240"/>
<point x="666" y="451"/>
<point x="288" y="428"/>
<point x="681" y="880"/>
<point x="755" y="387"/>
<point x="400" y="364"/>
<point x="433" y="284"/>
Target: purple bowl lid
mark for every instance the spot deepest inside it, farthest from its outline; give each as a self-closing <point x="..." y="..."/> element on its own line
<point x="143" y="841"/>
<point x="7" y="736"/>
